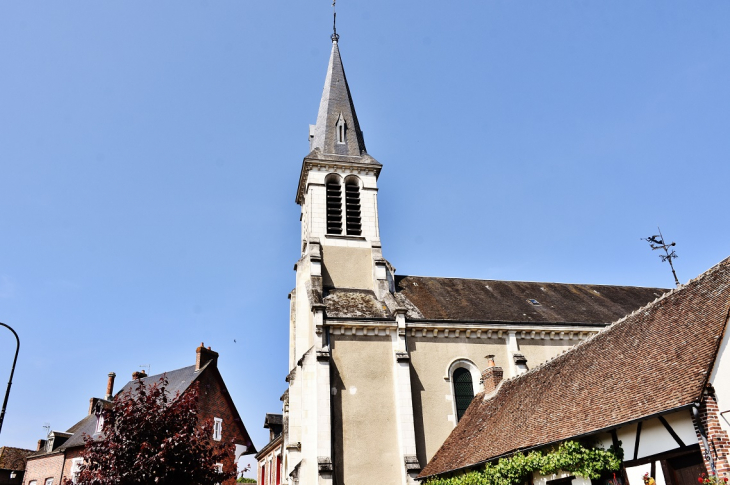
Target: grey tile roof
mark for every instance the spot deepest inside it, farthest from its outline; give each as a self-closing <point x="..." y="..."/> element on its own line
<point x="471" y="300"/>
<point x="87" y="426"/>
<point x="273" y="419"/>
<point x="652" y="361"/>
<point x="177" y="380"/>
<point x="336" y="100"/>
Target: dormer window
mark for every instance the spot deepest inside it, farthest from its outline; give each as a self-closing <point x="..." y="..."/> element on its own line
<point x="49" y="445"/>
<point x="99" y="423"/>
<point x="340" y="129"/>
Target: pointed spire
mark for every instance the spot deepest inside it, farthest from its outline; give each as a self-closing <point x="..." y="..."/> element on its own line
<point x="337" y="130"/>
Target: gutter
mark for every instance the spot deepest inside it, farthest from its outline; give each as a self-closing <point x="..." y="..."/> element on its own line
<point x="578" y="436"/>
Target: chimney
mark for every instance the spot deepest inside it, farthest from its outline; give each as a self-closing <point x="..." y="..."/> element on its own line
<point x="138" y="375"/>
<point x="110" y="386"/>
<point x="492" y="375"/>
<point x="41" y="445"/>
<point x="203" y="356"/>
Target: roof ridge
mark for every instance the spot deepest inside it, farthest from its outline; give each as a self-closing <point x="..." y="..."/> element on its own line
<point x="530" y="281"/>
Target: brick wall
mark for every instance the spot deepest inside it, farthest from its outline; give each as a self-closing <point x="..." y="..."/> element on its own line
<point x="717" y="438"/>
<point x="215" y="402"/>
<point x="70" y="455"/>
<point x="43" y="467"/>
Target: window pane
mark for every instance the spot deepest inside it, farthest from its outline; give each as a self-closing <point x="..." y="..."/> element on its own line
<point x="463" y="391"/>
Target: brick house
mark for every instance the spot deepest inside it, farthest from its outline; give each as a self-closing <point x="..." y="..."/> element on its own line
<point x="12" y="465"/>
<point x="269" y="459"/>
<point x="60" y="453"/>
<point x="657" y="381"/>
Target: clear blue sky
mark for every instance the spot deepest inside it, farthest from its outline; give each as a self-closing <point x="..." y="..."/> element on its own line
<point x="150" y="151"/>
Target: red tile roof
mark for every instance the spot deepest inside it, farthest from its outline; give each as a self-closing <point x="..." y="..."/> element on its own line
<point x="13" y="458"/>
<point x="654" y="360"/>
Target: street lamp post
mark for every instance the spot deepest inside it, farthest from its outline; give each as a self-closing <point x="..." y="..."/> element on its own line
<point x="12" y="371"/>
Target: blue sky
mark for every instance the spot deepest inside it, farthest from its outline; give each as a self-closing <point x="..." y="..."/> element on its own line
<point x="150" y="151"/>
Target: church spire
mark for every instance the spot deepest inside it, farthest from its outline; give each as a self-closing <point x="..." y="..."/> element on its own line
<point x="337" y="130"/>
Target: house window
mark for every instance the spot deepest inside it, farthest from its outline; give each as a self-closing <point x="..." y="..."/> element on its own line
<point x="219" y="469"/>
<point x="334" y="205"/>
<point x="463" y="390"/>
<point x="278" y="469"/>
<point x="76" y="468"/>
<point x="352" y="202"/>
<point x="49" y="481"/>
<point x="99" y="423"/>
<point x="33" y="482"/>
<point x="217" y="428"/>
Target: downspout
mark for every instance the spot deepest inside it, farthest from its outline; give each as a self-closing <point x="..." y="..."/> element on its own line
<point x="703" y="435"/>
<point x="332" y="405"/>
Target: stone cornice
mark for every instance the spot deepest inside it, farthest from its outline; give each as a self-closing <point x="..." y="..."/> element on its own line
<point x="453" y="330"/>
<point x="365" y="165"/>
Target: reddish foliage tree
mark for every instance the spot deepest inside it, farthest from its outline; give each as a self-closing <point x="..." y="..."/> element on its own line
<point x="149" y="438"/>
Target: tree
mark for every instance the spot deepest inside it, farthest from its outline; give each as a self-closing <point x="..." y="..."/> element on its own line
<point x="148" y="438"/>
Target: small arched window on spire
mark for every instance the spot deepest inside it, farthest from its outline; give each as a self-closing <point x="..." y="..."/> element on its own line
<point x="463" y="390"/>
<point x="352" y="206"/>
<point x="333" y="186"/>
<point x="340" y="130"/>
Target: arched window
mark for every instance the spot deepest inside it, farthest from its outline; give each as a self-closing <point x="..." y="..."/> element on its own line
<point x="334" y="205"/>
<point x="340" y="129"/>
<point x="352" y="201"/>
<point x="463" y="390"/>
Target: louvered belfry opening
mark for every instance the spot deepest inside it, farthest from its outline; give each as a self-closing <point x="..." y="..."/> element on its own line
<point x="352" y="201"/>
<point x="463" y="391"/>
<point x="334" y="207"/>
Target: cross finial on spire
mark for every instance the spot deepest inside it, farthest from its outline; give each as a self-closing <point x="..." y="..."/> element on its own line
<point x="335" y="37"/>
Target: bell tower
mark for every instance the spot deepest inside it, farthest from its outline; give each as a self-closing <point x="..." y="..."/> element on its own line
<point x="340" y="252"/>
<point x="338" y="192"/>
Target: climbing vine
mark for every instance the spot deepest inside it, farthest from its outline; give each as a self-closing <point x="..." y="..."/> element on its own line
<point x="570" y="457"/>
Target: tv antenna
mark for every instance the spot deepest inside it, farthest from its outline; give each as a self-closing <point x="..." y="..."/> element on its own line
<point x="657" y="242"/>
<point x="47" y="427"/>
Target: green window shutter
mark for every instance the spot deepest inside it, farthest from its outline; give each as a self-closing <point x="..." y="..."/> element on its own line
<point x="463" y="391"/>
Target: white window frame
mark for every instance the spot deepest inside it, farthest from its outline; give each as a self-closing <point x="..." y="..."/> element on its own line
<point x="217" y="429"/>
<point x="75" y="464"/>
<point x="49" y="481"/>
<point x="219" y="469"/>
<point x="99" y="423"/>
<point x="476" y="377"/>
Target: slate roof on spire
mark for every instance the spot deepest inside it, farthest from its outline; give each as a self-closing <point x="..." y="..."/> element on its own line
<point x="336" y="101"/>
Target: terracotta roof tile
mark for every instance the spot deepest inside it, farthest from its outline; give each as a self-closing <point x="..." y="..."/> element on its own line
<point x="13" y="458"/>
<point x="652" y="361"/>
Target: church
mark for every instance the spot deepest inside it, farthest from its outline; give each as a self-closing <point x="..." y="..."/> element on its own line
<point x="382" y="365"/>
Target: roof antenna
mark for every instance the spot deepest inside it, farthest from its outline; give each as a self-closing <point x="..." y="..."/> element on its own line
<point x="335" y="37"/>
<point x="657" y="242"/>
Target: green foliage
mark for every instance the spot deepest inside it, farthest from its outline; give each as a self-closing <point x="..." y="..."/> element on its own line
<point x="246" y="480"/>
<point x="570" y="457"/>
